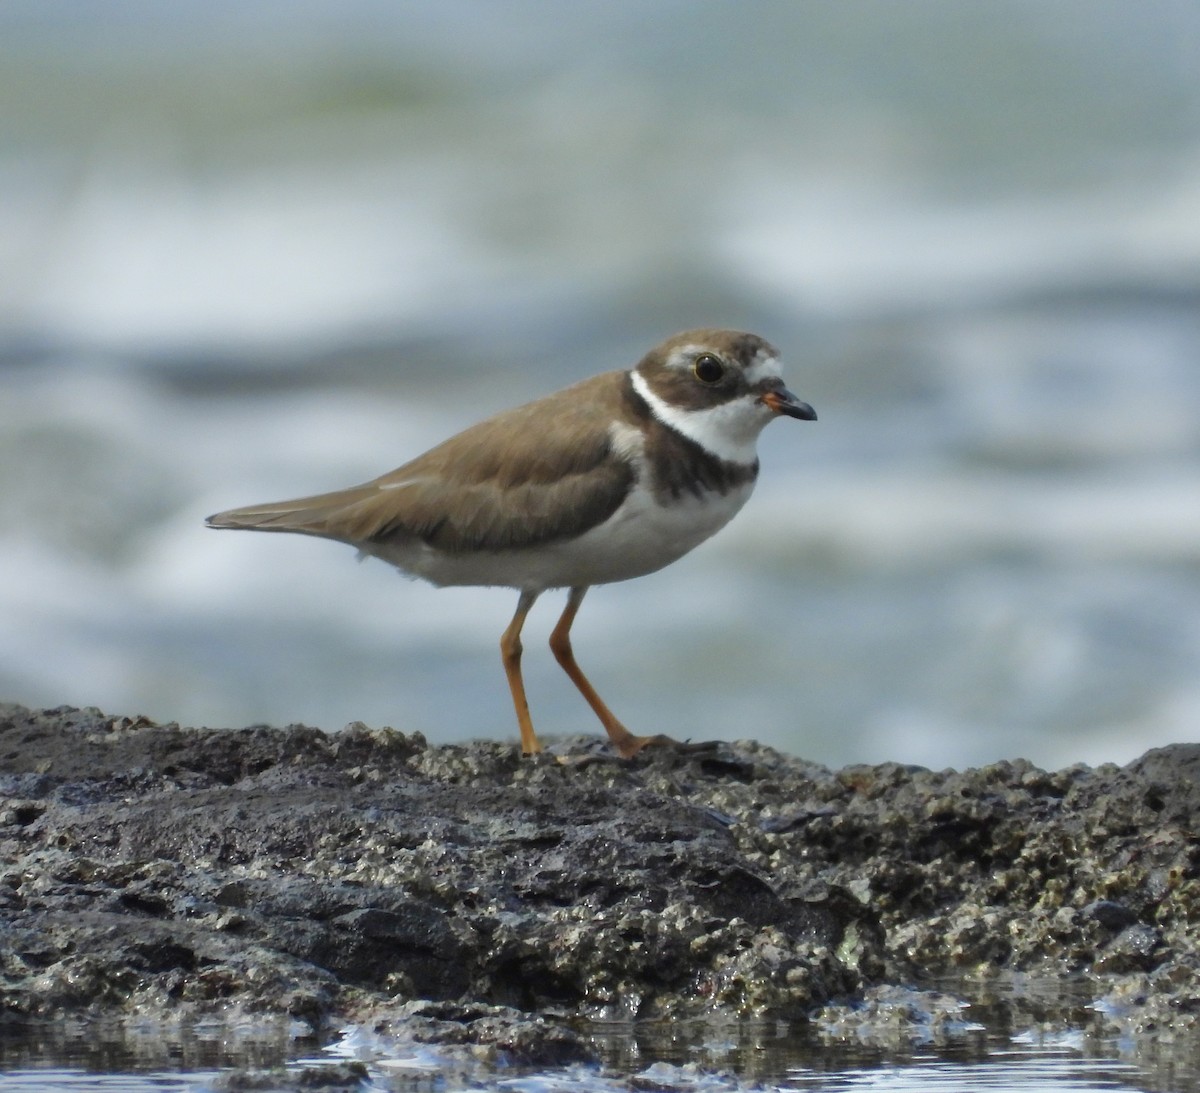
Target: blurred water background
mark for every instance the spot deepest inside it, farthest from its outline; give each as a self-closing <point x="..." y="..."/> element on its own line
<point x="251" y="251"/>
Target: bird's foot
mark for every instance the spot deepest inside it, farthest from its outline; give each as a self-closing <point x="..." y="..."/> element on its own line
<point x="629" y="745"/>
<point x="621" y="747"/>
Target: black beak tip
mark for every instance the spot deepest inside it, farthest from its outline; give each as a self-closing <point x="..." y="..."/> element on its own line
<point x="783" y="402"/>
<point x="801" y="410"/>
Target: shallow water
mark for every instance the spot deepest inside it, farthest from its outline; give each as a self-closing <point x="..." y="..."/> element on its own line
<point x="984" y="1051"/>
<point x="1010" y="1032"/>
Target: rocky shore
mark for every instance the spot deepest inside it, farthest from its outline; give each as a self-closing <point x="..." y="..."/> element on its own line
<point x="464" y="894"/>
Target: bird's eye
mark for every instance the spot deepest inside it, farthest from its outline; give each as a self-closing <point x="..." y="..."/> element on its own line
<point x="708" y="369"/>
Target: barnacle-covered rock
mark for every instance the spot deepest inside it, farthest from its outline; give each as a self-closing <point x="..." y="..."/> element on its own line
<point x="163" y="871"/>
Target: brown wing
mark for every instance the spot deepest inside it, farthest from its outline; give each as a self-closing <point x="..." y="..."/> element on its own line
<point x="532" y="475"/>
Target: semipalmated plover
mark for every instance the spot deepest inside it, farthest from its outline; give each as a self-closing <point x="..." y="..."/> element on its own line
<point x="611" y="478"/>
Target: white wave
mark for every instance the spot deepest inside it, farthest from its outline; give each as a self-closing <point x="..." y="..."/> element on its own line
<point x="923" y="515"/>
<point x="848" y="247"/>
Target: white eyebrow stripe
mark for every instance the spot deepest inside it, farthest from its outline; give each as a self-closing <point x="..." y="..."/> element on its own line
<point x="682" y="357"/>
<point x="764" y="367"/>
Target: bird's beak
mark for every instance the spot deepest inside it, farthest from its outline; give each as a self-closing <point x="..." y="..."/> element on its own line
<point x="782" y="401"/>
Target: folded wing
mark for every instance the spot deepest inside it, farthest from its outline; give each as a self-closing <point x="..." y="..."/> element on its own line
<point x="511" y="482"/>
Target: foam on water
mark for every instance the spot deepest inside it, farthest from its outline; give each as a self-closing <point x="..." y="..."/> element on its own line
<point x="865" y="248"/>
<point x="925" y="515"/>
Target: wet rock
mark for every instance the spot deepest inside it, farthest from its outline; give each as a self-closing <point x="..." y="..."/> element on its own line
<point x="493" y="1035"/>
<point x="160" y="870"/>
<point x="336" y="1077"/>
<point x="895" y="1017"/>
<point x="1110" y="914"/>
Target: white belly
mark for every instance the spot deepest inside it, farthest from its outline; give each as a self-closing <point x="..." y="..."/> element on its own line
<point x="640" y="537"/>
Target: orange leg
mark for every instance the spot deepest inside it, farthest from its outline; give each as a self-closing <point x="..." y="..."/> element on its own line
<point x="625" y="743"/>
<point x="510" y="652"/>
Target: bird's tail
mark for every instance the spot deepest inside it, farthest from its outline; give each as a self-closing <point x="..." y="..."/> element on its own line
<point x="323" y="515"/>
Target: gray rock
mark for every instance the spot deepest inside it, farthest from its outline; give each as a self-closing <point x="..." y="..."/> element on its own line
<point x="167" y="871"/>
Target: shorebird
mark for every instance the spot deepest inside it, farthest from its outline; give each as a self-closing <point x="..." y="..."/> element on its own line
<point x="614" y="477"/>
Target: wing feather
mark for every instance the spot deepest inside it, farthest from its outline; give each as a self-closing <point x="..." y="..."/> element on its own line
<point x="536" y="474"/>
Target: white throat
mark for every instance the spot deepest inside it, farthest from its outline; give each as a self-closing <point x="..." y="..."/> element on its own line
<point x="729" y="431"/>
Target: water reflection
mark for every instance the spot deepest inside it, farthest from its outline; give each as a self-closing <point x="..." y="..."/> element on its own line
<point x="1016" y="1033"/>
